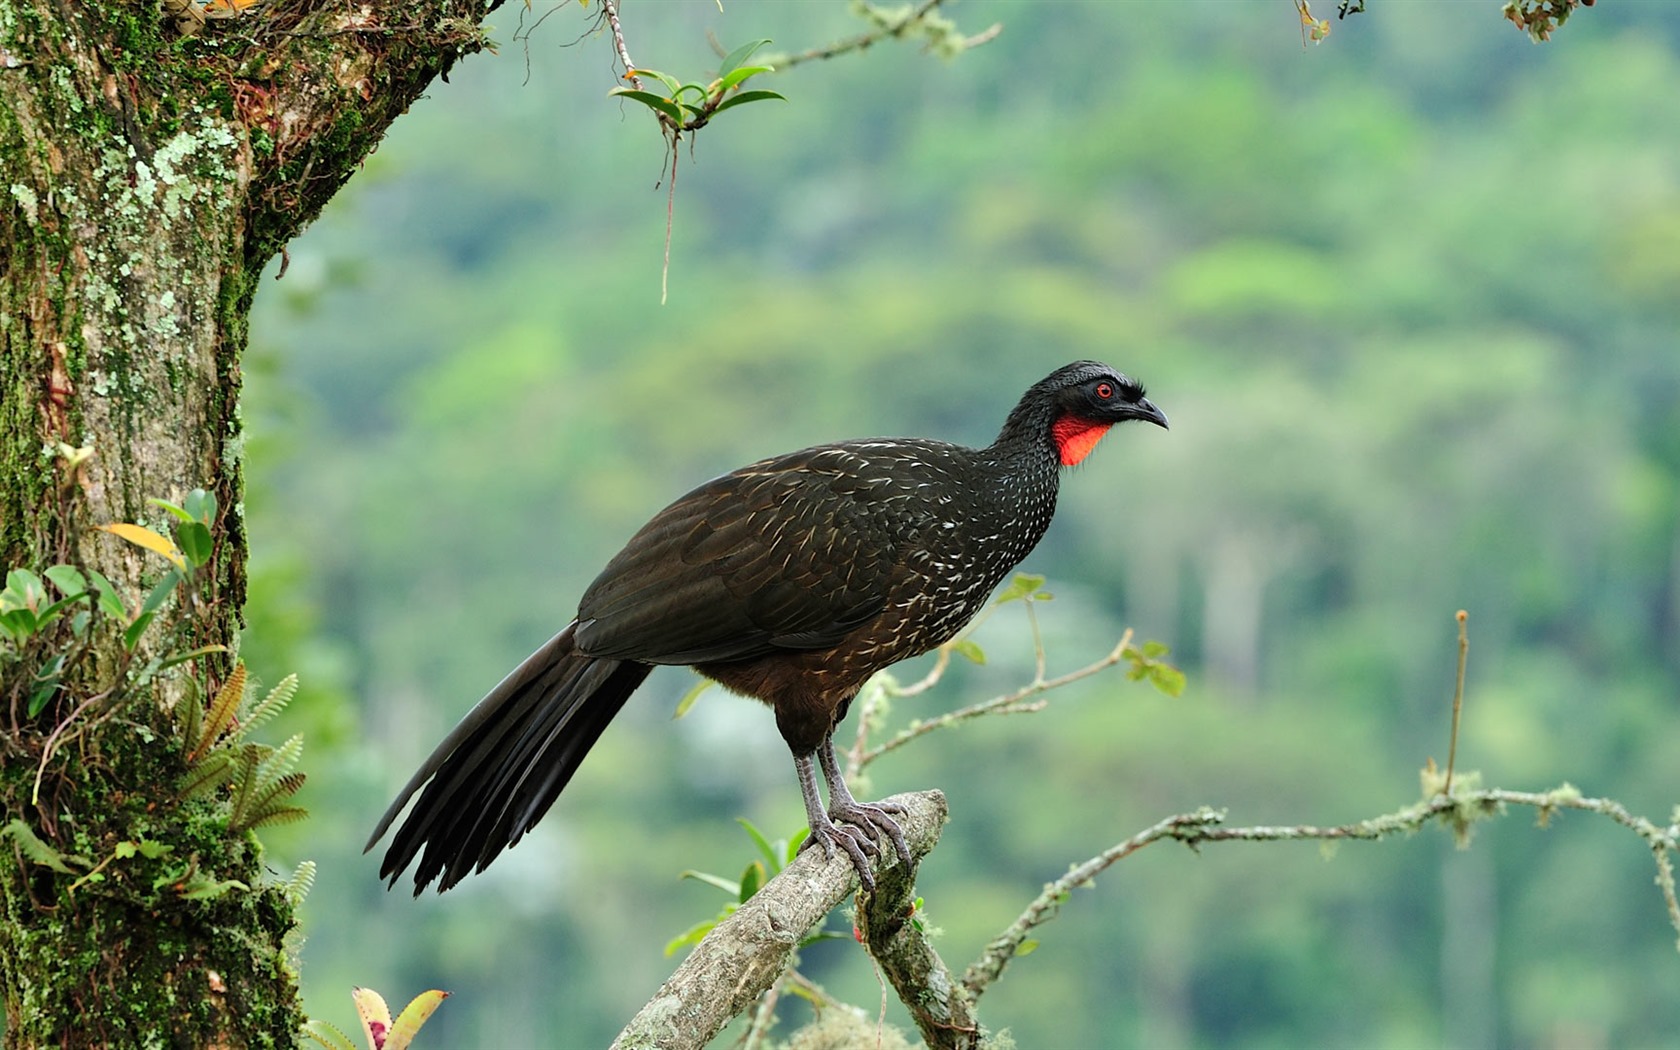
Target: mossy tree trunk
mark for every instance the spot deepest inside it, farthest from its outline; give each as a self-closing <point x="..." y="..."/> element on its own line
<point x="151" y="163"/>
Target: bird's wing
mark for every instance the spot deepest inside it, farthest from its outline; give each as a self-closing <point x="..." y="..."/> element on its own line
<point x="792" y="553"/>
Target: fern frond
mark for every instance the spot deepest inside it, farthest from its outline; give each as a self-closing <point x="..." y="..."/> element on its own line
<point x="222" y="709"/>
<point x="37" y="850"/>
<point x="248" y="759"/>
<point x="190" y="713"/>
<point x="277" y="815"/>
<point x="271" y="705"/>
<point x="302" y="881"/>
<point x="267" y="792"/>
<point x="207" y="774"/>
<point x="280" y="761"/>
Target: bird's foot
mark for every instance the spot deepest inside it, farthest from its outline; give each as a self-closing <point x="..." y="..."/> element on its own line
<point x="857" y="827"/>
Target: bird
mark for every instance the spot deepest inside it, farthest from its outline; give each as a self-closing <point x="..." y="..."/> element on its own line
<point x="791" y="580"/>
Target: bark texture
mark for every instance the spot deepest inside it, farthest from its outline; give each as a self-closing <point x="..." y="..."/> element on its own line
<point x="152" y="160"/>
<point x="746" y="953"/>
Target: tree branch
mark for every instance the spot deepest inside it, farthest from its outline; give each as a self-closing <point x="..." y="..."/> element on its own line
<point x="941" y="1007"/>
<point x="1018" y="702"/>
<point x="746" y="953"/>
<point x="1459" y="810"/>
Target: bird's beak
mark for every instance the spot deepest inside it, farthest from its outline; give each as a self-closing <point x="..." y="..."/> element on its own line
<point x="1145" y="410"/>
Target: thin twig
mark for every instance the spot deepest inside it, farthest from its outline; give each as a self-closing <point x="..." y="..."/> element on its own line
<point x="764" y="1015"/>
<point x="1037" y="639"/>
<point x="53" y="741"/>
<point x="670" y="218"/>
<point x="1458" y="695"/>
<point x="896" y="28"/>
<point x="1007" y="704"/>
<point x="611" y="8"/>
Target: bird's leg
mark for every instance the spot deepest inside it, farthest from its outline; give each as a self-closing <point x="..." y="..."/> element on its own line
<point x="871" y="818"/>
<point x="823" y="829"/>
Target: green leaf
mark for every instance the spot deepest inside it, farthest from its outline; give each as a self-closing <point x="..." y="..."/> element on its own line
<point x="194" y="541"/>
<point x="731" y="888"/>
<point x="32" y="847"/>
<point x="731" y="79"/>
<point x="689" y="697"/>
<point x="689" y="937"/>
<point x="50" y="613"/>
<point x="751" y="879"/>
<point x="739" y="55"/>
<point x="1168" y="679"/>
<point x="181" y="658"/>
<point x="19" y="623"/>
<point x="764" y="848"/>
<point x="328" y="1035"/>
<point x="179" y="512"/>
<point x="652" y="101"/>
<point x="160" y="594"/>
<point x="744" y="97"/>
<point x="1023" y="584"/>
<point x="47" y="685"/>
<point x="794" y="843"/>
<point x="109" y="602"/>
<point x="671" y="83"/>
<point x="1153" y="650"/>
<point x="202" y="506"/>
<point x="24" y="590"/>
<point x="1027" y="947"/>
<point x="131" y="636"/>
<point x="202" y="889"/>
<point x="821" y="935"/>
<point x="68" y="579"/>
<point x="969" y="648"/>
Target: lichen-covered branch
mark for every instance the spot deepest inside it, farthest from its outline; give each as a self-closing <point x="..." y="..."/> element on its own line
<point x="1459" y="810"/>
<point x="922" y="19"/>
<point x="941" y="1007"/>
<point x="746" y="953"/>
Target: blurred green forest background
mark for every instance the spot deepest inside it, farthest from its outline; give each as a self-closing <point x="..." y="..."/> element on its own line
<point x="1410" y="299"/>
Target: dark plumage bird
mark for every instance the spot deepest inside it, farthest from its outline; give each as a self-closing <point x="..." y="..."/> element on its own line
<point x="791" y="580"/>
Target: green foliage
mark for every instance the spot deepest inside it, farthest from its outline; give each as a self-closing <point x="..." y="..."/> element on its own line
<point x="689" y="107"/>
<point x="255" y="781"/>
<point x="772" y="858"/>
<point x="1147" y="663"/>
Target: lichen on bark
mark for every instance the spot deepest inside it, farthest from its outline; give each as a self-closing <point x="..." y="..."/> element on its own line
<point x="146" y="178"/>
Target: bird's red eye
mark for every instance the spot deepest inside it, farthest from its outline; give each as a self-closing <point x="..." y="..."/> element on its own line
<point x="1105" y="391"/>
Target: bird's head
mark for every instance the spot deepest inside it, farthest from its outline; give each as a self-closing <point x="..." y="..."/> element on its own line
<point x="1079" y="402"/>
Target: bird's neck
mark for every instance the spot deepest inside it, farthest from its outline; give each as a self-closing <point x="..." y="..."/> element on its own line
<point x="1033" y="438"/>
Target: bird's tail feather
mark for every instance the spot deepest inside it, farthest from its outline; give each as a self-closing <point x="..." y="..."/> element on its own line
<point x="499" y="770"/>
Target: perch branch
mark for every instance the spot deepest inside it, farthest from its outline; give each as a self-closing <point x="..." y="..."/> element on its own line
<point x="940" y="1006"/>
<point x="747" y="952"/>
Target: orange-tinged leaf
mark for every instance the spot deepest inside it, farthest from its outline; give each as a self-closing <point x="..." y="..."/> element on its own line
<point x="141" y="536"/>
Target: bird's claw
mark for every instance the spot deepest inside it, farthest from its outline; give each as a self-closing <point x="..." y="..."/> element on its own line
<point x="856" y="846"/>
<point x="857" y="829"/>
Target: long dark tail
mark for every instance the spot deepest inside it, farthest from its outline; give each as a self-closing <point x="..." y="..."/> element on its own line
<point x="499" y="770"/>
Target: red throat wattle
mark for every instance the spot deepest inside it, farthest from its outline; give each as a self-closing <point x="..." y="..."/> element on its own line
<point x="1075" y="437"/>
